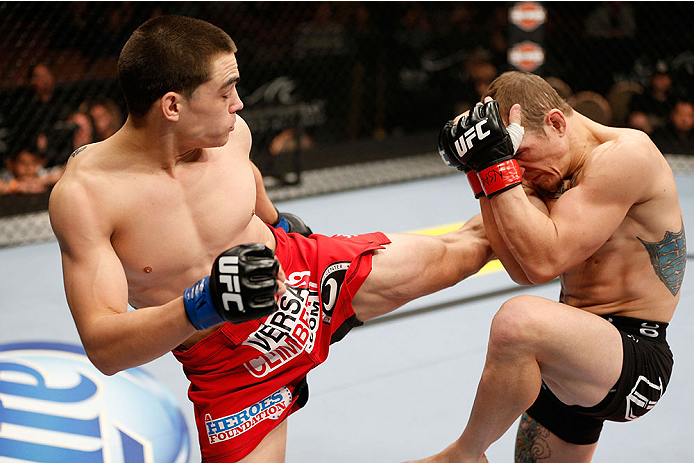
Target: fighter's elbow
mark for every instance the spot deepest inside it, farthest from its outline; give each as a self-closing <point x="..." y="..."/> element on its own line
<point x="101" y="361"/>
<point x="521" y="280"/>
<point x="540" y="275"/>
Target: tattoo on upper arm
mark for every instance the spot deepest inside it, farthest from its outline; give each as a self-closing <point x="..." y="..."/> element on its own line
<point x="531" y="441"/>
<point x="78" y="151"/>
<point x="669" y="258"/>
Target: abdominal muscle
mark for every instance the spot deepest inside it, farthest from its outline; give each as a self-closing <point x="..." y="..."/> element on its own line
<point x="637" y="294"/>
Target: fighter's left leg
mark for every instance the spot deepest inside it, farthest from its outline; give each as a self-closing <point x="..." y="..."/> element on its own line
<point x="578" y="355"/>
<point x="537" y="444"/>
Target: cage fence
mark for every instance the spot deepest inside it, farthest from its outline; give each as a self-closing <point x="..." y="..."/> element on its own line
<point x="321" y="76"/>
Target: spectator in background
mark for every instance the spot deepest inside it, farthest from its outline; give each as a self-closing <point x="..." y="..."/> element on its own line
<point x="107" y="117"/>
<point x="479" y="71"/>
<point x="610" y="31"/>
<point x="85" y="131"/>
<point x="650" y="110"/>
<point x="26" y="174"/>
<point x="677" y="136"/>
<point x="612" y="20"/>
<point x="34" y="119"/>
<point x="43" y="83"/>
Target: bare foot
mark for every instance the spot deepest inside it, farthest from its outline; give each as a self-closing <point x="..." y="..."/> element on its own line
<point x="449" y="456"/>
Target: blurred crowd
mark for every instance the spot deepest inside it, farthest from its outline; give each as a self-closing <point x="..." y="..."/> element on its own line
<point x="48" y="129"/>
<point x="383" y="69"/>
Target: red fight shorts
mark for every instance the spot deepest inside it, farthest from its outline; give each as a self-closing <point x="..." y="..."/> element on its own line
<point x="246" y="379"/>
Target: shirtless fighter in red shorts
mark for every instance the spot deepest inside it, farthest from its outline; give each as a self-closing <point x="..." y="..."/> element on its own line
<point x="144" y="215"/>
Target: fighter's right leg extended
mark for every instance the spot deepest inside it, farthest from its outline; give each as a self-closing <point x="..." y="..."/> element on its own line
<point x="412" y="266"/>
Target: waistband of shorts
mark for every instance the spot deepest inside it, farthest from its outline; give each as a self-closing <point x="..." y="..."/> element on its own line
<point x="646" y="328"/>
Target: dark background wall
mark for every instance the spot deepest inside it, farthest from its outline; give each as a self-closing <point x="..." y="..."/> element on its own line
<point x="358" y="80"/>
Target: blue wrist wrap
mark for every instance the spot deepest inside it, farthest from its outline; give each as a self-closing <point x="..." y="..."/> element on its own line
<point x="282" y="223"/>
<point x="198" y="303"/>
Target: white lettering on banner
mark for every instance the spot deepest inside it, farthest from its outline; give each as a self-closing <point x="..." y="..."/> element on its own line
<point x="287" y="333"/>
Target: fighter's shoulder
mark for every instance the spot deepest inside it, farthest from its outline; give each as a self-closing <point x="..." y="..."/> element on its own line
<point x="628" y="147"/>
<point x="628" y="164"/>
<point x="240" y="139"/>
<point x="80" y="165"/>
<point x="79" y="179"/>
<point x="73" y="203"/>
<point x="241" y="129"/>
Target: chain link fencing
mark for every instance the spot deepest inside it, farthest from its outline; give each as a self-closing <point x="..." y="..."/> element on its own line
<point x="330" y="84"/>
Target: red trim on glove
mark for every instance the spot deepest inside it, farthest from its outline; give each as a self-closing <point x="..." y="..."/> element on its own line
<point x="500" y="177"/>
<point x="475" y="184"/>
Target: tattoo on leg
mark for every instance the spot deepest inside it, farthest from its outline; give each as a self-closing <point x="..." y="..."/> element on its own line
<point x="531" y="441"/>
<point x="669" y="258"/>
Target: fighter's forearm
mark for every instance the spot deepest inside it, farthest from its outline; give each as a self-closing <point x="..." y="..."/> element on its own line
<point x="529" y="235"/>
<point x="513" y="268"/>
<point x="118" y="341"/>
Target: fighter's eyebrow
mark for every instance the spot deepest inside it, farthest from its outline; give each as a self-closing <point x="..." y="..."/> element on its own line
<point x="228" y="83"/>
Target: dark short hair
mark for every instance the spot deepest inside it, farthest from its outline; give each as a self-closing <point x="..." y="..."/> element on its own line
<point x="168" y="54"/>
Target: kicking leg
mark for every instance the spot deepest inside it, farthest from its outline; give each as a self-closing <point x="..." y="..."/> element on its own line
<point x="412" y="266"/>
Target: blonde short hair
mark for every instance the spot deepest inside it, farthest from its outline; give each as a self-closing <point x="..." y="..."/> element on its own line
<point x="532" y="92"/>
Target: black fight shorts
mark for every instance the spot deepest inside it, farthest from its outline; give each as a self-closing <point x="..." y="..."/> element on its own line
<point x="645" y="374"/>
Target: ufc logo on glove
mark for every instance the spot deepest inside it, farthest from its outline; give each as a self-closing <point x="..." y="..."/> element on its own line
<point x="229" y="276"/>
<point x="241" y="287"/>
<point x="464" y="143"/>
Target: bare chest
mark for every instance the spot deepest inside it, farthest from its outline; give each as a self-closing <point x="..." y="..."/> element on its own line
<point x="167" y="233"/>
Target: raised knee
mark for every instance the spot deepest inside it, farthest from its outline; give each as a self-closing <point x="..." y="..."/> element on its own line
<point x="513" y="324"/>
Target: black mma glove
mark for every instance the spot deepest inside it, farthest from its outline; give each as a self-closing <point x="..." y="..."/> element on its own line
<point x="482" y="143"/>
<point x="292" y="224"/>
<point x="241" y="287"/>
<point x="447" y="151"/>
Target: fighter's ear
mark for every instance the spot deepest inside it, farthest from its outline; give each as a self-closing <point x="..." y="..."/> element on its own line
<point x="170" y="105"/>
<point x="556" y="121"/>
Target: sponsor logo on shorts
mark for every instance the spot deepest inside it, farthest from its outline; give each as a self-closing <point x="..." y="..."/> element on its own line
<point x="330" y="285"/>
<point x="230" y="426"/>
<point x="56" y="406"/>
<point x="643" y="397"/>
<point x="289" y="331"/>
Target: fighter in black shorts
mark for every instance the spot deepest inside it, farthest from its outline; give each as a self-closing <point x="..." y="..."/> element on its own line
<point x="596" y="207"/>
<point x="645" y="375"/>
